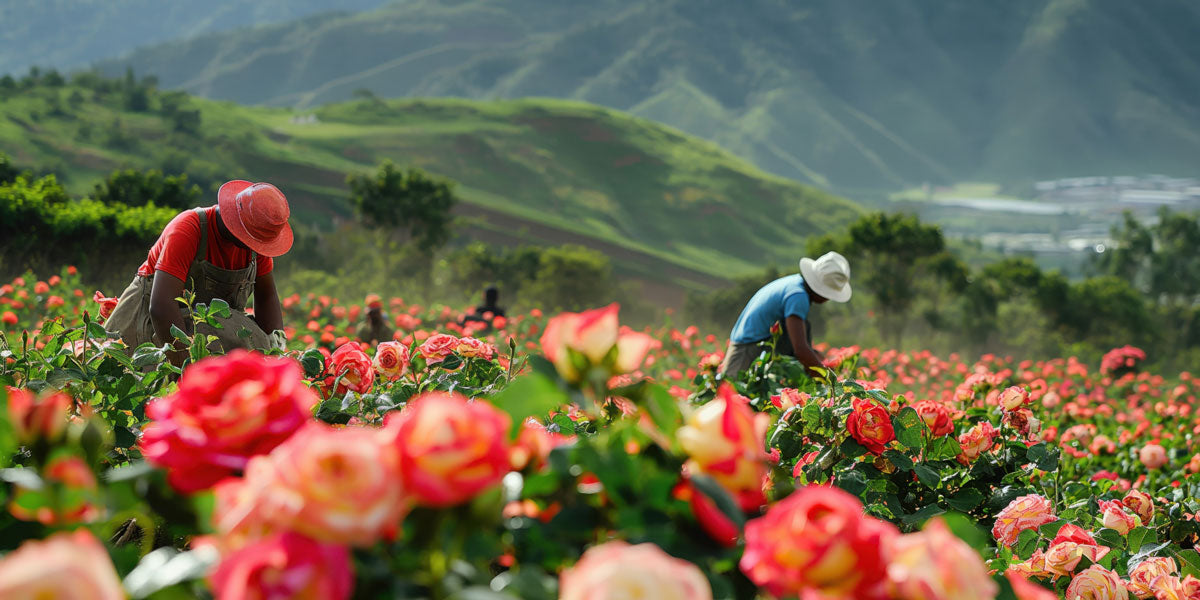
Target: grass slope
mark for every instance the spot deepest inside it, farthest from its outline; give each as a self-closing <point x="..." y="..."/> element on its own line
<point x="554" y="171"/>
<point x="854" y="95"/>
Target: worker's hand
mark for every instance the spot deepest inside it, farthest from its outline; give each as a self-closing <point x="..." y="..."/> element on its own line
<point x="278" y="340"/>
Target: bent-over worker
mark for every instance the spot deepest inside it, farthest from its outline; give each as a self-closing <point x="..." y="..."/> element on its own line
<point x="222" y="251"/>
<point x="786" y="301"/>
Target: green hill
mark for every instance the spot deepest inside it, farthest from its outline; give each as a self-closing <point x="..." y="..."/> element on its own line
<point x="852" y="95"/>
<point x="656" y="200"/>
<point x="66" y="34"/>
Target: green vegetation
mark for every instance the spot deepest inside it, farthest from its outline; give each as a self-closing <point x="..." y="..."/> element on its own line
<point x="861" y="98"/>
<point x="664" y="205"/>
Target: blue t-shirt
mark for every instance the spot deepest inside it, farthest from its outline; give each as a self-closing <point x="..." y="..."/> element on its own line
<point x="776" y="301"/>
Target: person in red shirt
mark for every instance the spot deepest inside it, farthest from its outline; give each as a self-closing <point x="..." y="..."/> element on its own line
<point x="223" y="251"/>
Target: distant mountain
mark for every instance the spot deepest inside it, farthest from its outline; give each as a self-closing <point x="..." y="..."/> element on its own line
<point x="853" y="95"/>
<point x="65" y="34"/>
<point x="661" y="203"/>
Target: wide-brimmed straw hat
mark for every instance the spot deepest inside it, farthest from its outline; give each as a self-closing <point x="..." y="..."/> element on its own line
<point x="828" y="276"/>
<point x="257" y="215"/>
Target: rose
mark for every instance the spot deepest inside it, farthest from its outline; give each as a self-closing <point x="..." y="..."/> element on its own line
<point x="437" y="347"/>
<point x="354" y="366"/>
<point x="534" y="444"/>
<point x="226" y="410"/>
<point x="1063" y="557"/>
<point x="1153" y="456"/>
<point x="616" y="570"/>
<point x="286" y="565"/>
<point x="1024" y="590"/>
<point x="450" y="448"/>
<point x="934" y="564"/>
<point x="1096" y="583"/>
<point x="715" y="523"/>
<point x="35" y="418"/>
<point x="1116" y="518"/>
<point x="65" y="565"/>
<point x="789" y="397"/>
<point x="1142" y="576"/>
<point x="936" y="415"/>
<point x="1071" y="532"/>
<point x="1140" y="503"/>
<point x="1014" y="397"/>
<point x="469" y="347"/>
<point x="976" y="441"/>
<point x="1167" y="587"/>
<point x="391" y="359"/>
<point x="870" y="425"/>
<point x="724" y="439"/>
<point x="1026" y="512"/>
<point x="575" y="341"/>
<point x="817" y="541"/>
<point x="333" y="485"/>
<point x="107" y="305"/>
<point x="75" y="488"/>
<point x="1034" y="566"/>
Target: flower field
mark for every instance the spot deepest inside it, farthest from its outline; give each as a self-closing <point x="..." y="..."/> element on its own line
<point x="565" y="456"/>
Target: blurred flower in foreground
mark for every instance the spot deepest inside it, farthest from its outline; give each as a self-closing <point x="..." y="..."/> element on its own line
<point x="616" y="570"/>
<point x="65" y="565"/>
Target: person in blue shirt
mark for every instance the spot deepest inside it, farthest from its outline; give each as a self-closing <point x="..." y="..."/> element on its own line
<point x="786" y="302"/>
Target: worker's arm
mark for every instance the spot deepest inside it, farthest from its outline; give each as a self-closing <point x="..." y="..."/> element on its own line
<point x="267" y="312"/>
<point x="164" y="312"/>
<point x="799" y="337"/>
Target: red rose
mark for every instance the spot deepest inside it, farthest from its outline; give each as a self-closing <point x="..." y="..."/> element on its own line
<point x="870" y="425"/>
<point x="936" y="415"/>
<point x="106" y="304"/>
<point x="355" y="366"/>
<point x="226" y="410"/>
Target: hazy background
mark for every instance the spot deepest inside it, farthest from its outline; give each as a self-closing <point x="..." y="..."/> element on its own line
<point x="680" y="148"/>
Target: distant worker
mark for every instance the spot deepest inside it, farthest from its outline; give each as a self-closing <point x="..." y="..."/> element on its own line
<point x="223" y="251"/>
<point x="486" y="312"/>
<point x="375" y="328"/>
<point x="786" y="302"/>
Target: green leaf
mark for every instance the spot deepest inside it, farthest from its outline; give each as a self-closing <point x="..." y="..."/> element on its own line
<point x="313" y="362"/>
<point x="853" y="449"/>
<point x="148" y="355"/>
<point x="532" y="395"/>
<point x="663" y="409"/>
<point x="1189" y="563"/>
<point x="944" y="448"/>
<point x="96" y="331"/>
<point x="166" y="567"/>
<point x="1139" y="537"/>
<point x="725" y="502"/>
<point x="910" y="429"/>
<point x="219" y="308"/>
<point x="179" y="334"/>
<point x="968" y="530"/>
<point x="1027" y="542"/>
<point x="924" y="514"/>
<point x="966" y="499"/>
<point x="928" y="477"/>
<point x="900" y="459"/>
<point x="1110" y="538"/>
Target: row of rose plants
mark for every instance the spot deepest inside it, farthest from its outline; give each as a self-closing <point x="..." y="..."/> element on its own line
<point x="694" y="465"/>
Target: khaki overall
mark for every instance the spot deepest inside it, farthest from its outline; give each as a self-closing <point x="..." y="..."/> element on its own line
<point x="131" y="317"/>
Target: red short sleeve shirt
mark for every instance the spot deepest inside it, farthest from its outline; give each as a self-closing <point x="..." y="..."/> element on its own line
<point x="176" y="248"/>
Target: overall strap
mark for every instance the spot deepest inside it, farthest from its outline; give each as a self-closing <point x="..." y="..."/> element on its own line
<point x="203" y="246"/>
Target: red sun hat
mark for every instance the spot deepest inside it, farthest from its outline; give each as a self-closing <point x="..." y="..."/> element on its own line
<point x="257" y="215"/>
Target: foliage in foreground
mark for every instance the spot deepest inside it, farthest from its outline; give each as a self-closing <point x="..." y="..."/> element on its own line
<point x="591" y="457"/>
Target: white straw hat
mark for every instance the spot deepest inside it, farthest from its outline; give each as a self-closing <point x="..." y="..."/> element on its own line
<point x="828" y="276"/>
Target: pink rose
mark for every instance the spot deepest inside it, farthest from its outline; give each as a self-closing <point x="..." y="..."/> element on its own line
<point x="354" y="366"/>
<point x="1142" y="577"/>
<point x="36" y="418"/>
<point x="1153" y="456"/>
<point x="615" y="570"/>
<point x="936" y="416"/>
<point x="1140" y="503"/>
<point x="450" y="448"/>
<point x="469" y="347"/>
<point x="1115" y="517"/>
<point x="725" y="440"/>
<point x="226" y="410"/>
<point x="976" y="441"/>
<point x="439" y="346"/>
<point x="286" y="565"/>
<point x="1026" y="590"/>
<point x="334" y="485"/>
<point x="1014" y="397"/>
<point x="576" y="341"/>
<point x="1026" y="512"/>
<point x="934" y="564"/>
<point x="65" y="565"/>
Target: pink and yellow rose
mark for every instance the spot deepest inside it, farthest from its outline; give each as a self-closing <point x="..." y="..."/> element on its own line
<point x="286" y="565"/>
<point x="1097" y="583"/>
<point x="594" y="338"/>
<point x="1142" y="578"/>
<point x="616" y="570"/>
<point x="450" y="448"/>
<point x="725" y="440"/>
<point x="354" y="367"/>
<point x="391" y="360"/>
<point x="934" y="564"/>
<point x="1026" y="512"/>
<point x="65" y="565"/>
